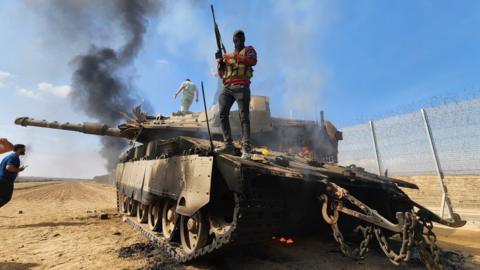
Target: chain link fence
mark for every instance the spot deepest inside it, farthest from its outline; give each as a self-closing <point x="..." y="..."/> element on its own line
<point x="402" y="144"/>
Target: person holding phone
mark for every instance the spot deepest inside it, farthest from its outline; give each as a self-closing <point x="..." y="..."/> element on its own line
<point x="9" y="169"/>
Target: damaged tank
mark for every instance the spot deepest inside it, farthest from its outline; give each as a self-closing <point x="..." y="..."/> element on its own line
<point x="192" y="202"/>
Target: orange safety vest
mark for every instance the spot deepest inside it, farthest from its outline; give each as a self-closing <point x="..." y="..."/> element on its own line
<point x="236" y="71"/>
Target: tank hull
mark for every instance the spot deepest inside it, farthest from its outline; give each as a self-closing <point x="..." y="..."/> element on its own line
<point x="246" y="201"/>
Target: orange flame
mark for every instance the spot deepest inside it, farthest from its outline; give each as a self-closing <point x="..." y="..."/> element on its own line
<point x="284" y="240"/>
<point x="306" y="152"/>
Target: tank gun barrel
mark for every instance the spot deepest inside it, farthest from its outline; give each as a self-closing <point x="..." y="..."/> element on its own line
<point x="86" y="127"/>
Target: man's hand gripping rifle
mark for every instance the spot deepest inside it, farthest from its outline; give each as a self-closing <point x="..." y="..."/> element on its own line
<point x="220" y="47"/>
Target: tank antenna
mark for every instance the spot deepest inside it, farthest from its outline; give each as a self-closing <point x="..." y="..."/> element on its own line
<point x="206" y="117"/>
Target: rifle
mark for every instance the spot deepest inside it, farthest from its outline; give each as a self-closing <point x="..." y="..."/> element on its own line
<point x="218" y="37"/>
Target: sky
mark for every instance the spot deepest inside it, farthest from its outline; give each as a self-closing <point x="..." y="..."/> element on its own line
<point x="356" y="60"/>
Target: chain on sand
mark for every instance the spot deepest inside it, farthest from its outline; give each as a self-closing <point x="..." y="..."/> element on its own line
<point x="426" y="241"/>
<point x="416" y="232"/>
<point x="408" y="234"/>
<point x="357" y="253"/>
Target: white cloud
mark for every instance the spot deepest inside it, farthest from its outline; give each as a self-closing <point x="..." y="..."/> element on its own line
<point x="4" y="78"/>
<point x="59" y="90"/>
<point x="45" y="88"/>
<point x="28" y="93"/>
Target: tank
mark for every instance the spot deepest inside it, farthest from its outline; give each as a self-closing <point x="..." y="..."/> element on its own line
<point x="193" y="202"/>
<point x="318" y="138"/>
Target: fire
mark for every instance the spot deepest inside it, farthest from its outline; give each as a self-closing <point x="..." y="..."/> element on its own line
<point x="284" y="240"/>
<point x="306" y="152"/>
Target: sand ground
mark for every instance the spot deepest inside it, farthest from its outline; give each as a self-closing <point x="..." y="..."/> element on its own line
<point x="54" y="225"/>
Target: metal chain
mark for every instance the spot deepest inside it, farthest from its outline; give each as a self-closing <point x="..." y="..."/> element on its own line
<point x="367" y="233"/>
<point x="408" y="234"/>
<point x="356" y="253"/>
<point x="426" y="240"/>
<point x="416" y="231"/>
<point x="433" y="244"/>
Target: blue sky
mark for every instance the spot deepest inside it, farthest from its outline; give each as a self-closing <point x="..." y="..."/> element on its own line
<point x="356" y="60"/>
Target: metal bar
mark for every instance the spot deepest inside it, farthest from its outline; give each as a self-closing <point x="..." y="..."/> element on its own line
<point x="442" y="205"/>
<point x="375" y="147"/>
<point x="443" y="188"/>
<point x="206" y="116"/>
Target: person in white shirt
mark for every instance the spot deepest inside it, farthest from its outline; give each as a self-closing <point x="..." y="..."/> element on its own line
<point x="190" y="91"/>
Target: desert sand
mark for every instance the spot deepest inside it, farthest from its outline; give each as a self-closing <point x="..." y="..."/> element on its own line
<point x="55" y="225"/>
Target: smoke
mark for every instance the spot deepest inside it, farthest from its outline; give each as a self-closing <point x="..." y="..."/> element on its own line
<point x="101" y="76"/>
<point x="299" y="35"/>
<point x="100" y="89"/>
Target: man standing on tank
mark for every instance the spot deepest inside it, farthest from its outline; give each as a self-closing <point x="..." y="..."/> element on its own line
<point x="190" y="91"/>
<point x="9" y="169"/>
<point x="236" y="70"/>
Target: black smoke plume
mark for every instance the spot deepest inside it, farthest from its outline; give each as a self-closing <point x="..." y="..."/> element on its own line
<point x="101" y="85"/>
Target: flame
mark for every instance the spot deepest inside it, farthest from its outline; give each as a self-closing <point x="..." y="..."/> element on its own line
<point x="306" y="152"/>
<point x="284" y="240"/>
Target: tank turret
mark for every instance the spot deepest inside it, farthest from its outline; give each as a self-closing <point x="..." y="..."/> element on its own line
<point x="318" y="140"/>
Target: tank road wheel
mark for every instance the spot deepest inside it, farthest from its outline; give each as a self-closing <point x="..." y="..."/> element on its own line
<point x="142" y="212"/>
<point x="154" y="215"/>
<point x="131" y="207"/>
<point x="169" y="219"/>
<point x="193" y="232"/>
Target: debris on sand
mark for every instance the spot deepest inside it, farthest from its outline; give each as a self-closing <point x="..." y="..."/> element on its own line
<point x="452" y="260"/>
<point x="20" y="211"/>
<point x="91" y="213"/>
<point x="103" y="215"/>
<point x="157" y="259"/>
<point x="137" y="248"/>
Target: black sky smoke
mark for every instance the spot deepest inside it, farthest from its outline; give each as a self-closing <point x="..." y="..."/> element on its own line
<point x="101" y="88"/>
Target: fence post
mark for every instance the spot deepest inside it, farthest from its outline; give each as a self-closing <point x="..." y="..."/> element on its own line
<point x="375" y="146"/>
<point x="445" y="198"/>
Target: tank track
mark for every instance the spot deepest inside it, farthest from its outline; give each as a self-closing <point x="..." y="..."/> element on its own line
<point x="255" y="219"/>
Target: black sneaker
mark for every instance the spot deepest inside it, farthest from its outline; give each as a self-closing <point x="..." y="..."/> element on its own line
<point x="227" y="148"/>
